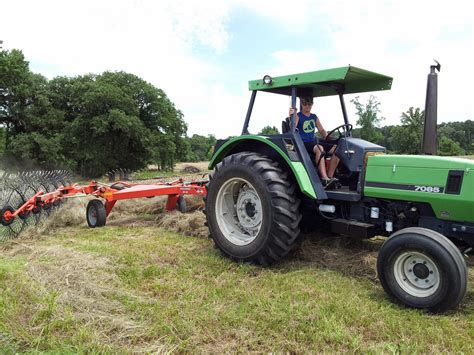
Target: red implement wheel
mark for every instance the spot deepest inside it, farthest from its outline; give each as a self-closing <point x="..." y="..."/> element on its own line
<point x="181" y="204"/>
<point x="96" y="214"/>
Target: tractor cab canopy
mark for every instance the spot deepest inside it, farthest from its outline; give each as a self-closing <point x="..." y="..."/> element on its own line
<point x="345" y="80"/>
<point x="338" y="81"/>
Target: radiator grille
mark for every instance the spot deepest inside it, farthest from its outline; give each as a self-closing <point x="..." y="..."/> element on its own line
<point x="454" y="183"/>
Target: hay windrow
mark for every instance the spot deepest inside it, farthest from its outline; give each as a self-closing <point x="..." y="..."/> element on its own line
<point x="189" y="224"/>
<point x="349" y="256"/>
<point x="131" y="213"/>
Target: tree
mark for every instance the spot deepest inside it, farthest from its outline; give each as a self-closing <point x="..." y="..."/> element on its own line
<point x="368" y="119"/>
<point x="449" y="147"/>
<point x="115" y="122"/>
<point x="134" y="121"/>
<point x="32" y="125"/>
<point x="90" y="123"/>
<point x="407" y="137"/>
<point x="158" y="114"/>
<point x="107" y="141"/>
<point x="15" y="92"/>
<point x="14" y="89"/>
<point x="200" y="147"/>
<point x="269" y="130"/>
<point x="459" y="132"/>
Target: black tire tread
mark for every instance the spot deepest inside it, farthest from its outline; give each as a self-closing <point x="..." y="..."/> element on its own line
<point x="285" y="224"/>
<point x="454" y="254"/>
<point x="101" y="213"/>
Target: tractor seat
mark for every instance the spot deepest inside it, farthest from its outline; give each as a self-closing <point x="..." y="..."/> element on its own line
<point x="285" y="125"/>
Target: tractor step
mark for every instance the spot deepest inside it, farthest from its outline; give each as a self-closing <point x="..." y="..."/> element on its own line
<point x="352" y="228"/>
<point x="343" y="194"/>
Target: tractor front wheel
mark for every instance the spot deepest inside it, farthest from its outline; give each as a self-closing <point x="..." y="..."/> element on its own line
<point x="251" y="208"/>
<point x="421" y="268"/>
<point x="96" y="214"/>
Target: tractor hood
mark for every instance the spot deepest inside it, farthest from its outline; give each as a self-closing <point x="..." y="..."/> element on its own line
<point x="445" y="183"/>
<point x="421" y="161"/>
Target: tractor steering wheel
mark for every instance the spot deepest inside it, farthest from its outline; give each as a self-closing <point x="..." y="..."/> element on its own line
<point x="342" y="130"/>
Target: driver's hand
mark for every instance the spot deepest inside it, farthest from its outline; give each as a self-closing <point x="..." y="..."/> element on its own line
<point x="292" y="111"/>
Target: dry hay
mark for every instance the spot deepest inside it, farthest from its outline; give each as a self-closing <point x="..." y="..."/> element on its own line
<point x="153" y="212"/>
<point x="347" y="255"/>
<point x="191" y="169"/>
<point x="190" y="224"/>
<point x="202" y="165"/>
<point x="70" y="213"/>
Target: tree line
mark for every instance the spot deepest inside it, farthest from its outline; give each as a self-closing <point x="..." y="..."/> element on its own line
<point x="454" y="138"/>
<point x="90" y="123"/>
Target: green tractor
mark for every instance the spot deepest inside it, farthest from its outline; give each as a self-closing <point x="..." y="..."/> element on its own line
<point x="265" y="188"/>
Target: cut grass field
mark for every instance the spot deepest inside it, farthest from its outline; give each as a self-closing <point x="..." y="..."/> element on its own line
<point x="135" y="286"/>
<point x="153" y="282"/>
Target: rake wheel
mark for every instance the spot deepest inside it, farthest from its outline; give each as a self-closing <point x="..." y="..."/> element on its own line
<point x="10" y="200"/>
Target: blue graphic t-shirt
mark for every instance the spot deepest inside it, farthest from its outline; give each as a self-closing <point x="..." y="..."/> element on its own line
<point x="306" y="126"/>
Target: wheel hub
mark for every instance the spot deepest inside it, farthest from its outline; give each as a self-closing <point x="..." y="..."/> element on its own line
<point x="417" y="274"/>
<point x="5" y="216"/>
<point x="248" y="208"/>
<point x="92" y="214"/>
<point x="421" y="271"/>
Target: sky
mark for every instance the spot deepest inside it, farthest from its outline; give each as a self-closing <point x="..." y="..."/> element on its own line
<point x="203" y="53"/>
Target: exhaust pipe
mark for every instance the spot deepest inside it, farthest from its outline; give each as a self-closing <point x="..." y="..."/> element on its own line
<point x="429" y="145"/>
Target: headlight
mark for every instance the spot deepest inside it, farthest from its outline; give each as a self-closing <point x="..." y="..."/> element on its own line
<point x="267" y="80"/>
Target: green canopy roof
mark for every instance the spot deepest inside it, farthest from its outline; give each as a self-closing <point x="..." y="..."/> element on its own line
<point x="345" y="80"/>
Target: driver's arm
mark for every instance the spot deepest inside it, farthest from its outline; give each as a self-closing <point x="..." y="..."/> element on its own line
<point x="321" y="129"/>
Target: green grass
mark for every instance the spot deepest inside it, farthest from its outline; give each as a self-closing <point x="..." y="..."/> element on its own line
<point x="122" y="289"/>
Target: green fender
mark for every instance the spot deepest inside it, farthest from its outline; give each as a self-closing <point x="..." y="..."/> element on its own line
<point x="296" y="167"/>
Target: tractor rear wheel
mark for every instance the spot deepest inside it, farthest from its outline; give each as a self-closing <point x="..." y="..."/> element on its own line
<point x="251" y="209"/>
<point x="421" y="268"/>
<point x="96" y="214"/>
